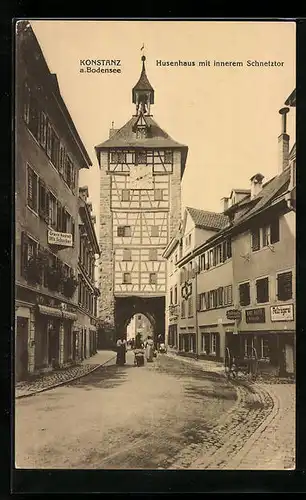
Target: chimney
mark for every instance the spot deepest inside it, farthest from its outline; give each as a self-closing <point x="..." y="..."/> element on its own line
<point x="256" y="184"/>
<point x="112" y="131"/>
<point x="283" y="142"/>
<point x="224" y="203"/>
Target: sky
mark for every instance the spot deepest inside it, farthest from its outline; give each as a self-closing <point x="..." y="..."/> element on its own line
<point x="227" y="116"/>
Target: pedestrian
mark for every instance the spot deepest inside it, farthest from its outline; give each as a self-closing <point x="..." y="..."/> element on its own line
<point x="159" y="340"/>
<point x="121" y="351"/>
<point x="149" y="349"/>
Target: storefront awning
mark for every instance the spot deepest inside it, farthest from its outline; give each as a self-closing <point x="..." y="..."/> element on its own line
<point x="69" y="315"/>
<point x="50" y="311"/>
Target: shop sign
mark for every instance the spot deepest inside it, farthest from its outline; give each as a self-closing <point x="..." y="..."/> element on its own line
<point x="255" y="315"/>
<point x="282" y="313"/>
<point x="233" y="314"/>
<point x="61" y="239"/>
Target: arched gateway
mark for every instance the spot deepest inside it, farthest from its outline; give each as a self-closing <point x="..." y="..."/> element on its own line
<point x="141" y="168"/>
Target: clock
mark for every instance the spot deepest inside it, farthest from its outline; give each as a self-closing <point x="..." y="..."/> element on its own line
<point x="141" y="177"/>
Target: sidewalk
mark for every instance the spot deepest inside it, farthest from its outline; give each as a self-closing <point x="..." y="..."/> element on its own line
<point x="53" y="379"/>
<point x="272" y="445"/>
<point x="203" y="364"/>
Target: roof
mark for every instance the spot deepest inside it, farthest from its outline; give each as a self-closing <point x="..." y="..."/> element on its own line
<point x="208" y="220"/>
<point x="143" y="83"/>
<point x="291" y="100"/>
<point x="125" y="136"/>
<point x="242" y="191"/>
<point x="274" y="187"/>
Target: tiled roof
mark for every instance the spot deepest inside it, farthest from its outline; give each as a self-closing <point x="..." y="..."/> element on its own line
<point x="270" y="190"/>
<point x="125" y="137"/>
<point x="143" y="82"/>
<point x="206" y="219"/>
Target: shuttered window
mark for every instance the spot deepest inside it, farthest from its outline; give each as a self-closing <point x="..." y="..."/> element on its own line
<point x="255" y="239"/>
<point x="244" y="294"/>
<point x="262" y="290"/>
<point x="32" y="194"/>
<point x="284" y="286"/>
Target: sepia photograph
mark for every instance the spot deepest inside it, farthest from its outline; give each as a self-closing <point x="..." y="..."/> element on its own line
<point x="155" y="245"/>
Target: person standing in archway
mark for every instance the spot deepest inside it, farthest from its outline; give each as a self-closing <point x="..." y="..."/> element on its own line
<point x="149" y="349"/>
<point x="121" y="352"/>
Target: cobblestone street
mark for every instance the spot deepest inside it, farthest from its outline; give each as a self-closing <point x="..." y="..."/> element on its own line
<point x="169" y="414"/>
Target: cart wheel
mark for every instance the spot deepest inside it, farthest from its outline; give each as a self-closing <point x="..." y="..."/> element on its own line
<point x="227" y="362"/>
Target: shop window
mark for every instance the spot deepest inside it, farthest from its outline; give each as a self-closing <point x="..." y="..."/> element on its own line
<point x="264" y="348"/>
<point x="284" y="286"/>
<point x="255" y="239"/>
<point x="124" y="231"/>
<point x="248" y="346"/>
<point x="127" y="278"/>
<point x="244" y="294"/>
<point x="213" y="344"/>
<point x="262" y="290"/>
<point x="32" y="194"/>
<point x="205" y="343"/>
<point x="153" y="278"/>
<point x="125" y="195"/>
<point x="127" y="254"/>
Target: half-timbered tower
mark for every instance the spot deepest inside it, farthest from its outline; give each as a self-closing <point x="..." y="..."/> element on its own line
<point x="140" y="209"/>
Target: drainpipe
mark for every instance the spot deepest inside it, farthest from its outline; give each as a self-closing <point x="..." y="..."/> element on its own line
<point x="196" y="313"/>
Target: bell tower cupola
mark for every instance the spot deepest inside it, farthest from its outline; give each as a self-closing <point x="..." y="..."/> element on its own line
<point x="143" y="93"/>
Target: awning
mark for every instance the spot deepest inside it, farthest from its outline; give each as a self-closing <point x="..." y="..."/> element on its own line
<point x="50" y="311"/>
<point x="69" y="315"/>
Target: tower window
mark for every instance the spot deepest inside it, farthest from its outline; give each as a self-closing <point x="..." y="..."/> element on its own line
<point x="168" y="156"/>
<point x="141" y="157"/>
<point x="127" y="278"/>
<point x="124" y="231"/>
<point x="154" y="231"/>
<point x="158" y="194"/>
<point x="125" y="195"/>
<point x="153" y="254"/>
<point x="127" y="254"/>
<point x="153" y="278"/>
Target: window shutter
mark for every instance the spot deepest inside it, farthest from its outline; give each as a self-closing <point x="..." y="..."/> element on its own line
<point x="49" y="139"/>
<point x="42" y="198"/>
<point x="24" y="253"/>
<point x="198" y="302"/>
<point x="47" y="206"/>
<point x="73" y="229"/>
<point x="224" y="251"/>
<point x="59" y="217"/>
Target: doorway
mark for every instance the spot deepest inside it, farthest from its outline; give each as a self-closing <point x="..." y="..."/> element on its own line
<point x="21" y="360"/>
<point x="53" y="354"/>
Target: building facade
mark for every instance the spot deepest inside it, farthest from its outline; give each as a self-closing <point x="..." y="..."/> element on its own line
<point x="48" y="156"/>
<point x="240" y="286"/>
<point x="141" y="168"/>
<point x="88" y="292"/>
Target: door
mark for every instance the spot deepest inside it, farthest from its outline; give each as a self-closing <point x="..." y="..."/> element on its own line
<point x="21" y="360"/>
<point x="53" y="353"/>
<point x="289" y="358"/>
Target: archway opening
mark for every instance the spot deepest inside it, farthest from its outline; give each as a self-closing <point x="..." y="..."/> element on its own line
<point x="138" y="328"/>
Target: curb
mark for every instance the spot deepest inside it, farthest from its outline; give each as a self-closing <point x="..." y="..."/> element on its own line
<point x="44" y="389"/>
<point x="256" y="435"/>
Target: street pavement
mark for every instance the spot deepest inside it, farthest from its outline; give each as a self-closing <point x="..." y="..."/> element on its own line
<point x="166" y="415"/>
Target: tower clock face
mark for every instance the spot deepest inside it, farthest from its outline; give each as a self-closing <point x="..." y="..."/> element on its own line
<point x="141" y="177"/>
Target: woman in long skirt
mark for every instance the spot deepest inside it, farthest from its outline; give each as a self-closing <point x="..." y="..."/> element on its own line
<point x="149" y="349"/>
<point x="121" y="350"/>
